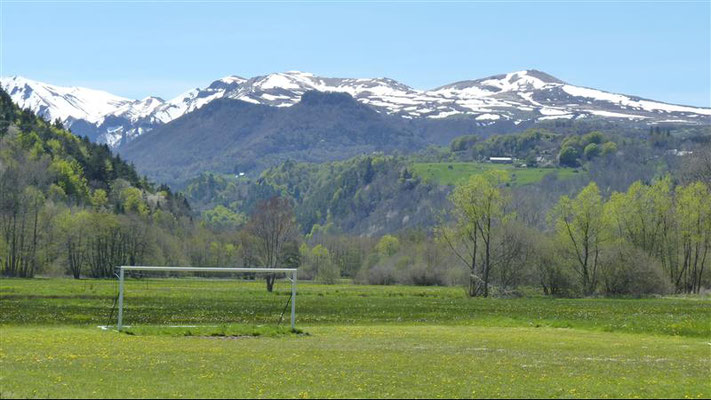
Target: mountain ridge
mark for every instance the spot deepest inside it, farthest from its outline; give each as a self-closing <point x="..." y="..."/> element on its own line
<point x="516" y="97"/>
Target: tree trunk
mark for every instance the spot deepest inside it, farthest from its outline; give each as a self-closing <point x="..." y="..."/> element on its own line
<point x="270" y="282"/>
<point x="487" y="260"/>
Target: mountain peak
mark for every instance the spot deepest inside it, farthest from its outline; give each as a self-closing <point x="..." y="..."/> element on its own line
<point x="226" y="82"/>
<point x="295" y="72"/>
<point x="525" y="80"/>
<point x="150" y="99"/>
<point x="232" y="79"/>
<point x="547" y="78"/>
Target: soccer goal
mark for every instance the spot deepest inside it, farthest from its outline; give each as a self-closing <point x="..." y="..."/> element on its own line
<point x="290" y="273"/>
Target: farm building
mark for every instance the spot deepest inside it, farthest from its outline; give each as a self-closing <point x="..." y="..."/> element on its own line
<point x="501" y="160"/>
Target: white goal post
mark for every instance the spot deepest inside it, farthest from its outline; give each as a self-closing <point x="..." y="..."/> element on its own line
<point x="124" y="268"/>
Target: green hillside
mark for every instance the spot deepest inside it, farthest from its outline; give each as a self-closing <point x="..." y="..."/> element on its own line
<point x="453" y="173"/>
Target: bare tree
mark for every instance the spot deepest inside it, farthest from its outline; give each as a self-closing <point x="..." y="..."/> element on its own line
<point x="72" y="229"/>
<point x="273" y="225"/>
<point x="697" y="166"/>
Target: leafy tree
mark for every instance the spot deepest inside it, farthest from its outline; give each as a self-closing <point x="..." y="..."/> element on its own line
<point x="568" y="157"/>
<point x="639" y="215"/>
<point x="132" y="201"/>
<point x="69" y="177"/>
<point x="694" y="214"/>
<point x="223" y="219"/>
<point x="326" y="270"/>
<point x="388" y="245"/>
<point x="594" y="137"/>
<point x="573" y="141"/>
<point x="99" y="199"/>
<point x="479" y="208"/>
<point x="608" y="148"/>
<point x="580" y="228"/>
<point x="462" y="143"/>
<point x="591" y="151"/>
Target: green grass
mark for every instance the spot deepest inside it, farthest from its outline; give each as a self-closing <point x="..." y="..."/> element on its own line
<point x="361" y="341"/>
<point x="454" y="173"/>
<point x="354" y="361"/>
<point x="196" y="301"/>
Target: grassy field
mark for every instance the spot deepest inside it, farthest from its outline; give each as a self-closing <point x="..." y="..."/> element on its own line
<point x="360" y="341"/>
<point x="456" y="172"/>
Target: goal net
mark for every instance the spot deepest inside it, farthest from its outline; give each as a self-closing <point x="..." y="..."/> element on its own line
<point x="203" y="295"/>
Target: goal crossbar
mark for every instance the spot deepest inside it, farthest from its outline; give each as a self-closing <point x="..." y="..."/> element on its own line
<point x="124" y="268"/>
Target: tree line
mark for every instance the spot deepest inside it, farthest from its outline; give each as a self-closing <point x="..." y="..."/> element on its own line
<point x="650" y="239"/>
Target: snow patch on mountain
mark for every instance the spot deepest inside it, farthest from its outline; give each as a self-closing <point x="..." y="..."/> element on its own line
<point x="488" y="117"/>
<point x="636" y="103"/>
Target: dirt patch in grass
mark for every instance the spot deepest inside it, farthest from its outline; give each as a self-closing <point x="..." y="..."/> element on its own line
<point x="208" y="331"/>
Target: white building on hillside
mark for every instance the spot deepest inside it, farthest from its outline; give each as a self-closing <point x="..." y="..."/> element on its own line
<point x="501" y="160"/>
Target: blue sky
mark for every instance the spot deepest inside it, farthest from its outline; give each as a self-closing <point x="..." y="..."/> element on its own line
<point x="658" y="50"/>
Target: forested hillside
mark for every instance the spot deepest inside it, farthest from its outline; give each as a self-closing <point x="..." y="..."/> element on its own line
<point x="68" y="206"/>
<point x="366" y="195"/>
<point x="377" y="193"/>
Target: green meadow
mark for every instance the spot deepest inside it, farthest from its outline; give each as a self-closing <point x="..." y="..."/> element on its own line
<point x="353" y="341"/>
<point x="453" y="173"/>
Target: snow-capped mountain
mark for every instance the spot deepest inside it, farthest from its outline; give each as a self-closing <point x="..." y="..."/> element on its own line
<point x="64" y="103"/>
<point x="515" y="97"/>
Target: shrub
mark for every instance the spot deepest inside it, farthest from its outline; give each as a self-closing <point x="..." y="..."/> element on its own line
<point x="381" y="274"/>
<point x="627" y="270"/>
<point x="328" y="273"/>
<point x="553" y="276"/>
<point x="421" y="275"/>
<point x="568" y="157"/>
<point x="591" y="151"/>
